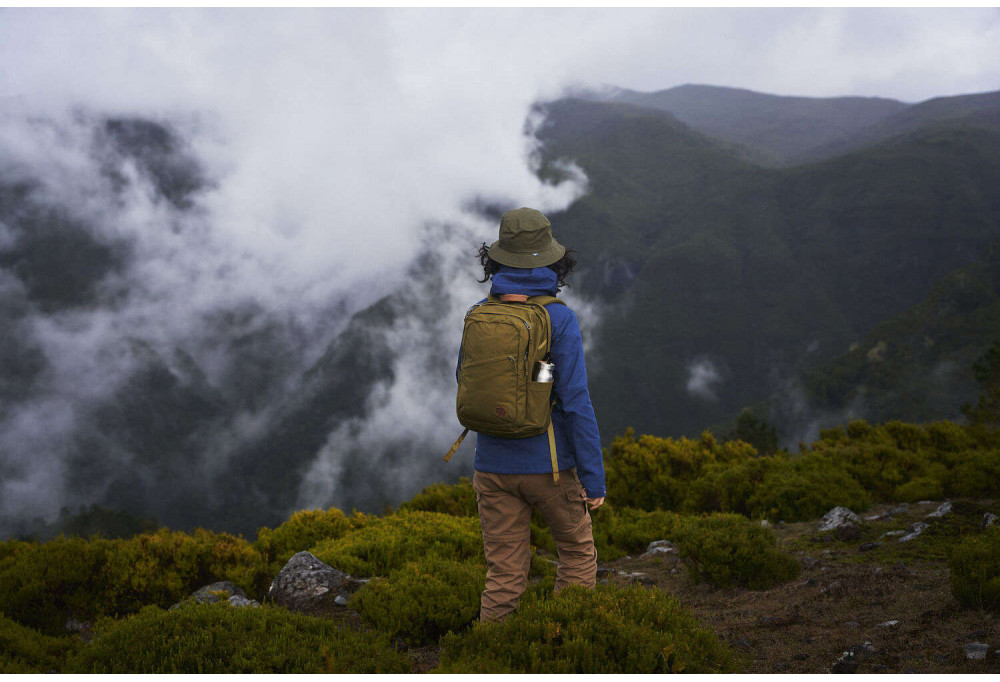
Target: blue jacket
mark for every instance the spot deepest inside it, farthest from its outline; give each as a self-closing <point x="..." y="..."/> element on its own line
<point x="578" y="443"/>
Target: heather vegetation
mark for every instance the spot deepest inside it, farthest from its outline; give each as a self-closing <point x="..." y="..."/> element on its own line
<point x="706" y="496"/>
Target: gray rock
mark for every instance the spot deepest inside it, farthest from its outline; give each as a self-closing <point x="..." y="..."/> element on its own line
<point x="660" y="547"/>
<point x="309" y="586"/>
<point x="976" y="651"/>
<point x="838" y="517"/>
<point x="210" y="594"/>
<point x="989" y="519"/>
<point x="875" y="517"/>
<point x="940" y="511"/>
<point x="889" y="624"/>
<point x="914" y="532"/>
<point x="868" y="546"/>
<point x="847" y="663"/>
<point x="341" y="600"/>
<point x="892" y="533"/>
<point x="241" y="602"/>
<point x="764" y="523"/>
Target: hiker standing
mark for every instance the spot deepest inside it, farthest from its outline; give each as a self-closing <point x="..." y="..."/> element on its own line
<point x="559" y="470"/>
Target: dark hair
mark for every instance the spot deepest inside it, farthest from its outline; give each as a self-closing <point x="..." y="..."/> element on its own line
<point x="562" y="267"/>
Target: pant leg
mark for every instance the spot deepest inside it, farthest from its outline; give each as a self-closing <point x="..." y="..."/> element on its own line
<point x="505" y="520"/>
<point x="564" y="508"/>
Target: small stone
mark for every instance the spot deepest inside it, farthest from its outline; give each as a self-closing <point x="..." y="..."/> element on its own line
<point x="915" y="531"/>
<point x="874" y="517"/>
<point x="940" y="511"/>
<point x="341" y="600"/>
<point x="847" y="663"/>
<point x="892" y="533"/>
<point x="832" y="586"/>
<point x="976" y="651"/>
<point x="868" y="546"/>
<point x="889" y="624"/>
<point x="764" y="523"/>
<point x="926" y="502"/>
<point x="989" y="519"/>
<point x="242" y="602"/>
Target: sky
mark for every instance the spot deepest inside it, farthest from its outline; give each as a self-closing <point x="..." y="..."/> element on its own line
<point x="331" y="139"/>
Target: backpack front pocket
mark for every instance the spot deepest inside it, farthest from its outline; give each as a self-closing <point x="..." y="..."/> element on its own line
<point x="487" y="395"/>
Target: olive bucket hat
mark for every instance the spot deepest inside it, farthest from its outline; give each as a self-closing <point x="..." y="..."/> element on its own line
<point x="526" y="240"/>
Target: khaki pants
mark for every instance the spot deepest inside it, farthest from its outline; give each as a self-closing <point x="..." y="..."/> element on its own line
<point x="505" y="502"/>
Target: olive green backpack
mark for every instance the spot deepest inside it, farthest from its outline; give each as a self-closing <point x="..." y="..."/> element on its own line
<point x="501" y="343"/>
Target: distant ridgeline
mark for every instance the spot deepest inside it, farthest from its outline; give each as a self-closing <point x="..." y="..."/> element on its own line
<point x="816" y="259"/>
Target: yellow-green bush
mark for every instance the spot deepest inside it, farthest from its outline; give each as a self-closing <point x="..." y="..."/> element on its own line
<point x="457" y="499"/>
<point x="422" y="600"/>
<point x="41" y="585"/>
<point x="729" y="487"/>
<point x="974" y="474"/>
<point x="805" y="487"/>
<point x="721" y="549"/>
<point x="605" y="630"/>
<point x="655" y="473"/>
<point x="217" y="638"/>
<point x="923" y="488"/>
<point x="391" y="541"/>
<point x="163" y="567"/>
<point x="301" y="531"/>
<point x="975" y="570"/>
<point x="23" y="650"/>
<point x="728" y="549"/>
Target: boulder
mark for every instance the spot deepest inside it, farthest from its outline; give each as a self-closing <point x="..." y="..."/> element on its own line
<point x="309" y="586"/>
<point x="976" y="651"/>
<point x="845" y="524"/>
<point x="658" y="547"/>
<point x="989" y="519"/>
<point x="940" y="511"/>
<point x="914" y="532"/>
<point x="224" y="590"/>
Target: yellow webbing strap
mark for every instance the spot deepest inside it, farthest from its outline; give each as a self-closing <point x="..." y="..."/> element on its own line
<point x="454" y="447"/>
<point x="552" y="452"/>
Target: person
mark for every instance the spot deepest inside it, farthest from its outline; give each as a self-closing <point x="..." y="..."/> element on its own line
<point x="514" y="475"/>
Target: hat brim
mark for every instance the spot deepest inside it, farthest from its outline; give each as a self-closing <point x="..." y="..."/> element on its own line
<point x="552" y="253"/>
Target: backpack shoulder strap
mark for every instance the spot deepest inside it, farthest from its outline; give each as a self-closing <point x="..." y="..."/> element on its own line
<point x="546" y="300"/>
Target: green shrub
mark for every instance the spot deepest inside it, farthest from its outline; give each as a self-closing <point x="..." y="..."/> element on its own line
<point x="23" y="650"/>
<point x="654" y="473"/>
<point x="41" y="585"/>
<point x="975" y="570"/>
<point x="422" y="600"/>
<point x="805" y="488"/>
<point x="728" y="550"/>
<point x="457" y="499"/>
<point x="729" y="487"/>
<point x="217" y="639"/>
<point x="721" y="549"/>
<point x="974" y="474"/>
<point x="163" y="567"/>
<point x="923" y="488"/>
<point x="301" y="531"/>
<point x="605" y="630"/>
<point x="389" y="542"/>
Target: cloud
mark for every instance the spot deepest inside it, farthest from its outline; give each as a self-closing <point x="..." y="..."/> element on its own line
<point x="703" y="377"/>
<point x="325" y="150"/>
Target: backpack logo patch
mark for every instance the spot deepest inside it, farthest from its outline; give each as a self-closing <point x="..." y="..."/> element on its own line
<point x="501" y="412"/>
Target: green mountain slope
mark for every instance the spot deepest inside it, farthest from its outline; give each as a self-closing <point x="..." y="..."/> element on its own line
<point x="777" y="129"/>
<point x="725" y="278"/>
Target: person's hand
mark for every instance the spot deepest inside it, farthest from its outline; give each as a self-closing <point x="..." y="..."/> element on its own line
<point x="595" y="502"/>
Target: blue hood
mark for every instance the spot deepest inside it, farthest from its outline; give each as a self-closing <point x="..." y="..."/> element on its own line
<point x="527" y="281"/>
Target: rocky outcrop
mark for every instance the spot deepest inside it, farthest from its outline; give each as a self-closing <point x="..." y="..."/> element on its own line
<point x="309" y="586"/>
<point x="224" y="590"/>
<point x="660" y="547"/>
<point x="842" y="522"/>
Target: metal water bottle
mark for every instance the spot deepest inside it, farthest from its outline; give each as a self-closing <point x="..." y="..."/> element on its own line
<point x="542" y="372"/>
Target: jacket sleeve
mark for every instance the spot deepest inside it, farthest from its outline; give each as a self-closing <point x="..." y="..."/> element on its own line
<point x="573" y="397"/>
